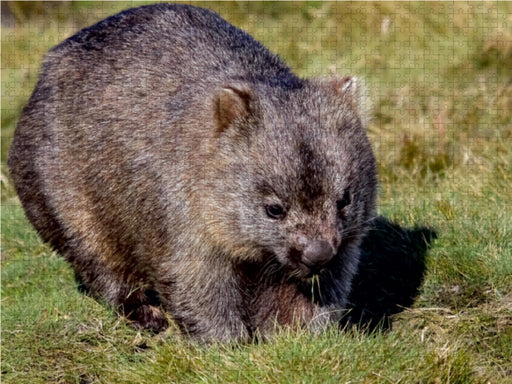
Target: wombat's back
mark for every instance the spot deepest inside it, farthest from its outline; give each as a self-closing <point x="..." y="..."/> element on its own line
<point x="105" y="150"/>
<point x="114" y="105"/>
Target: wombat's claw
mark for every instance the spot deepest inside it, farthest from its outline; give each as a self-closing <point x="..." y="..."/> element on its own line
<point x="148" y="317"/>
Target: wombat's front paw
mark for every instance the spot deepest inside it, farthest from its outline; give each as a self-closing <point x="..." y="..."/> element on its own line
<point x="148" y="317"/>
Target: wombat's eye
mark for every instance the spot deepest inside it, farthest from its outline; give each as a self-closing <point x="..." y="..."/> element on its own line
<point x="345" y="201"/>
<point x="275" y="211"/>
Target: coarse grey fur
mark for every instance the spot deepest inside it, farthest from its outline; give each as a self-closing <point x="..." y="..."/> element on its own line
<point x="180" y="166"/>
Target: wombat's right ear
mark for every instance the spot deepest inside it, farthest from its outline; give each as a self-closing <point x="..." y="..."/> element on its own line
<point x="351" y="91"/>
<point x="232" y="103"/>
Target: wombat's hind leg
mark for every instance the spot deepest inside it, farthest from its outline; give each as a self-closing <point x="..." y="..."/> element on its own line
<point x="148" y="317"/>
<point x="141" y="308"/>
<point x="131" y="299"/>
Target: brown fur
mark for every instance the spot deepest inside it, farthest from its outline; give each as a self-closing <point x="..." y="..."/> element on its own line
<point x="180" y="166"/>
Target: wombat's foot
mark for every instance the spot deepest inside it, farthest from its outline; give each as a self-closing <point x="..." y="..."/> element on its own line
<point x="149" y="317"/>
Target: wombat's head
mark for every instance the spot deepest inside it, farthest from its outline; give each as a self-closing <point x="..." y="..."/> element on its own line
<point x="295" y="173"/>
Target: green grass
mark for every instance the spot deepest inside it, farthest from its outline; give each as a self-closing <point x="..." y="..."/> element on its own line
<point x="440" y="83"/>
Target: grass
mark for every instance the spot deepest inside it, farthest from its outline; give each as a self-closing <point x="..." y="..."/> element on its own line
<point x="440" y="83"/>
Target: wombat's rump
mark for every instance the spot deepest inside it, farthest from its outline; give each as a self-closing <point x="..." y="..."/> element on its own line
<point x="179" y="165"/>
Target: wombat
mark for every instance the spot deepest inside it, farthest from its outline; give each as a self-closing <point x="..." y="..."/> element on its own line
<point x="181" y="167"/>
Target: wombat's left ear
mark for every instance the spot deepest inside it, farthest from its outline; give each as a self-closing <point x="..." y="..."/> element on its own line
<point x="232" y="103"/>
<point x="352" y="92"/>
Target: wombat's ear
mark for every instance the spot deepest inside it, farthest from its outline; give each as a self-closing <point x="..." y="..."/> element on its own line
<point x="232" y="103"/>
<point x="351" y="91"/>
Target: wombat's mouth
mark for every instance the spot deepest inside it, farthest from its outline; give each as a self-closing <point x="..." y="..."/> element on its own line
<point x="303" y="266"/>
<point x="304" y="272"/>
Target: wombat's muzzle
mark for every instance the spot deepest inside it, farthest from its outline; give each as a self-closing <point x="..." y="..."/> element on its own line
<point x="316" y="254"/>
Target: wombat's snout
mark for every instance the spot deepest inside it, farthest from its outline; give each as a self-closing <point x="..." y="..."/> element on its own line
<point x="309" y="256"/>
<point x="316" y="254"/>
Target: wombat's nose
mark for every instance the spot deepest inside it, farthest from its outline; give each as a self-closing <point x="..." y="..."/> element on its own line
<point x="317" y="253"/>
